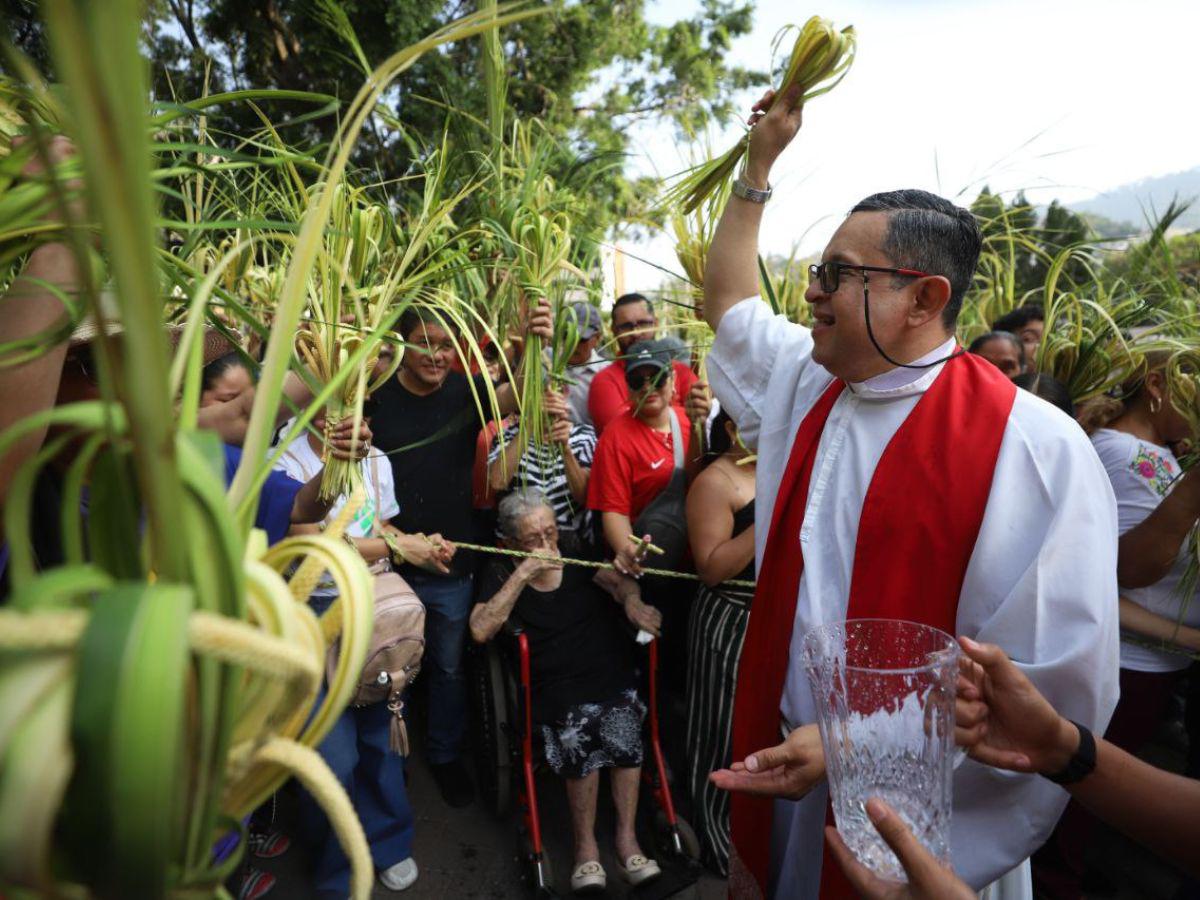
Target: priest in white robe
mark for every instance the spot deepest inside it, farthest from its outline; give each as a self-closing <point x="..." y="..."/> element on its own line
<point x="1040" y="577"/>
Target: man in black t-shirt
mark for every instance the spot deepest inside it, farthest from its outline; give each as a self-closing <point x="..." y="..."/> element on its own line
<point x="427" y="420"/>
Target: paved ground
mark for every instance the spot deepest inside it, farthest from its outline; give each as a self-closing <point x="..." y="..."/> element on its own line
<point x="467" y="853"/>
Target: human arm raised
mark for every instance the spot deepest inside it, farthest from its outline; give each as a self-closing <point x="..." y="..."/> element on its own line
<point x="308" y="505"/>
<point x="503" y="469"/>
<point x="731" y="265"/>
<point x="1004" y="721"/>
<point x="1147" y="551"/>
<point x="539" y="324"/>
<point x="578" y="475"/>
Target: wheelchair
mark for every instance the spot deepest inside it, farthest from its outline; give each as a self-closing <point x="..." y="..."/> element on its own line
<point x="507" y="758"/>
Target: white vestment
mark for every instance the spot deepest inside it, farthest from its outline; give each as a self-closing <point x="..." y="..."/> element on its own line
<point x="1041" y="581"/>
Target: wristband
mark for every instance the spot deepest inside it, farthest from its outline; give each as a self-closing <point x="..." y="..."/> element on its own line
<point x="742" y="189"/>
<point x="394" y="550"/>
<point x="1082" y="762"/>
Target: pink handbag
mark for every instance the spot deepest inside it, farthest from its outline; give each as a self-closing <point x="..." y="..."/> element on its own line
<point x="397" y="642"/>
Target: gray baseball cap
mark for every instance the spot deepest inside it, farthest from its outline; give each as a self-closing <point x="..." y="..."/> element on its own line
<point x="655" y="354"/>
<point x="587" y="319"/>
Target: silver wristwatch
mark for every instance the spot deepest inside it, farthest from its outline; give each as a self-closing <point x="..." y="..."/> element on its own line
<point x="754" y="195"/>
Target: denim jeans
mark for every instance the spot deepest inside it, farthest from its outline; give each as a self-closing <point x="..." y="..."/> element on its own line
<point x="356" y="749"/>
<point x="447" y="608"/>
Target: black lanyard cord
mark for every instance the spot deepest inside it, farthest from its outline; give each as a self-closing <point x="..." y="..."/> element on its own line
<point x="871" y="334"/>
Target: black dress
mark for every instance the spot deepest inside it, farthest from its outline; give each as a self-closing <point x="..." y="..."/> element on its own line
<point x="715" y="634"/>
<point x="583" y="670"/>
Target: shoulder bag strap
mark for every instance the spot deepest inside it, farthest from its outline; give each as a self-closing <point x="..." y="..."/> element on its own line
<point x="676" y="439"/>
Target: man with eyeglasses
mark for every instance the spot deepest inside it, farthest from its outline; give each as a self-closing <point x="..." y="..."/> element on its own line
<point x="633" y="320"/>
<point x="893" y="481"/>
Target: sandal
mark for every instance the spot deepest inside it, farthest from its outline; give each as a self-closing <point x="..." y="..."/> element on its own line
<point x="589" y="878"/>
<point x="638" y="870"/>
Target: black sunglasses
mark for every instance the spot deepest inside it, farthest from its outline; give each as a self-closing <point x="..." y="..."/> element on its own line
<point x="829" y="274"/>
<point x="639" y="378"/>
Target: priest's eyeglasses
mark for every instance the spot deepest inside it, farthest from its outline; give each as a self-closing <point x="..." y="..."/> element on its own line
<point x="829" y="274"/>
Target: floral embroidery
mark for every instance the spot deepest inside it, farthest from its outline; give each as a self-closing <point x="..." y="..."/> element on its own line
<point x="1155" y="468"/>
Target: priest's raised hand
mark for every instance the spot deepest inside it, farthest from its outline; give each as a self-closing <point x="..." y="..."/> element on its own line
<point x="788" y="770"/>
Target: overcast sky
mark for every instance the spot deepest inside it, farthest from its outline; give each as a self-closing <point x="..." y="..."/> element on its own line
<point x="1064" y="98"/>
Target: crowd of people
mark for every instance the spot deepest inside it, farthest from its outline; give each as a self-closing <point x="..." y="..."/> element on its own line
<point x="868" y="466"/>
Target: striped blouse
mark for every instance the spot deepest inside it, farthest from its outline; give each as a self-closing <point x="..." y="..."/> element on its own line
<point x="541" y="467"/>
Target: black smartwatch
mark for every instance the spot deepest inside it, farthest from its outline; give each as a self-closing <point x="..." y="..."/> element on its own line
<point x="1081" y="764"/>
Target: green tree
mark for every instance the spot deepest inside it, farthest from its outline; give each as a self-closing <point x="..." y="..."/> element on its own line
<point x="1028" y="242"/>
<point x="589" y="70"/>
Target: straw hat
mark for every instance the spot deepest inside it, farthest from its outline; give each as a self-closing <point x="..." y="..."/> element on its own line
<point x="216" y="344"/>
<point x="88" y="329"/>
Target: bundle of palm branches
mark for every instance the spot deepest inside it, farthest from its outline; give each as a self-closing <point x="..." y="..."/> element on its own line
<point x="821" y="55"/>
<point x="163" y="681"/>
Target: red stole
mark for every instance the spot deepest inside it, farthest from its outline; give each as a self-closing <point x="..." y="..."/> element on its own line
<point x="916" y="534"/>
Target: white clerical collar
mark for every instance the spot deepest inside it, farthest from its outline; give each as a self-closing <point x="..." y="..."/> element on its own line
<point x="901" y="381"/>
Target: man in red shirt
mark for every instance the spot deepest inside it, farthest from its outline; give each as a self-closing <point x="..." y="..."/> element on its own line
<point x="633" y="320"/>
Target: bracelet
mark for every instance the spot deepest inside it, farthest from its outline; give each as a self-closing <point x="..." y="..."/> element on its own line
<point x="1082" y="762"/>
<point x="394" y="549"/>
<point x="742" y="189"/>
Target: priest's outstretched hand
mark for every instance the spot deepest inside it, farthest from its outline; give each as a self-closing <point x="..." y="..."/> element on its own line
<point x="928" y="879"/>
<point x="788" y="770"/>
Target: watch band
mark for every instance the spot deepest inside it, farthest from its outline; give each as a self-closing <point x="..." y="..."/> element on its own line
<point x="1081" y="764"/>
<point x="752" y="194"/>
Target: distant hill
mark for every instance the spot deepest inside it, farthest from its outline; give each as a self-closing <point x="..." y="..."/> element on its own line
<point x="1125" y="204"/>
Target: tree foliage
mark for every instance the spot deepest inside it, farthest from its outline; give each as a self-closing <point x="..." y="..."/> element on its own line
<point x="1031" y="241"/>
<point x="588" y="70"/>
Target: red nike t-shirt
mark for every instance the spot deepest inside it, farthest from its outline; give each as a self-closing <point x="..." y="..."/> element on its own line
<point x="633" y="464"/>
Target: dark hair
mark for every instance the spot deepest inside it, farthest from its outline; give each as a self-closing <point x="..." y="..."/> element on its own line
<point x="218" y="367"/>
<point x="930" y="233"/>
<point x="1020" y="317"/>
<point x="984" y="339"/>
<point x="1048" y="388"/>
<point x="627" y="299"/>
<point x="719" y="441"/>
<point x="419" y="315"/>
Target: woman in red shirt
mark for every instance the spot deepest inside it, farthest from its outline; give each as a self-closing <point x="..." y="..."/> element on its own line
<point x="635" y="455"/>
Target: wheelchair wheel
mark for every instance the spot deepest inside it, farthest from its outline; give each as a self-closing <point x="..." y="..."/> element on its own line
<point x="493" y="756"/>
<point x="536" y="871"/>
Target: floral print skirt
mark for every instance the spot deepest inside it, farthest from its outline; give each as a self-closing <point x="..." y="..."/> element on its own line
<point x="594" y="736"/>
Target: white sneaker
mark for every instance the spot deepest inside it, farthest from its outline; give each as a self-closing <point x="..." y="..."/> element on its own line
<point x="401" y="876"/>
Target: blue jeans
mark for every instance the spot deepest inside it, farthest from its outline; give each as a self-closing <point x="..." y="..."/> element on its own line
<point x="356" y="749"/>
<point x="447" y="609"/>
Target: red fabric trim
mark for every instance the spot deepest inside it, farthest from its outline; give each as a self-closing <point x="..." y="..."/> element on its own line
<point x="763" y="666"/>
<point x="910" y="557"/>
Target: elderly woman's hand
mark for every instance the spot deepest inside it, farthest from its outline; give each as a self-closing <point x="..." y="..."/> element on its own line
<point x="531" y="567"/>
<point x="643" y="615"/>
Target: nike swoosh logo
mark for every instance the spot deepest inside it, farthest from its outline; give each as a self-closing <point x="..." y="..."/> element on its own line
<point x="655" y="465"/>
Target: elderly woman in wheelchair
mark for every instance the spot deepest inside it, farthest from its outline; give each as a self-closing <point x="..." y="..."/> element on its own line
<point x="585" y="697"/>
